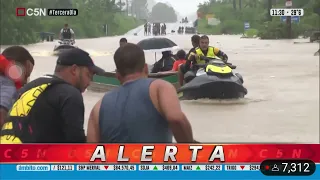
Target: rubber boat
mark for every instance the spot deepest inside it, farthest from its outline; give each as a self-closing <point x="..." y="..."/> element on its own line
<point x="64" y="45"/>
<point x="215" y="80"/>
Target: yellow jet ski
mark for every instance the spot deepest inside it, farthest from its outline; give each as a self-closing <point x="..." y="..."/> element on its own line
<point x="214" y="80"/>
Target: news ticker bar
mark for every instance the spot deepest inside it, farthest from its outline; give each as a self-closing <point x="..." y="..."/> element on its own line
<point x="155" y="153"/>
<point x="143" y="167"/>
<point x="151" y="171"/>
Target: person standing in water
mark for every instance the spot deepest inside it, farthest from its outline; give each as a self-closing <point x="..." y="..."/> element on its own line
<point x="141" y="110"/>
<point x="146" y="29"/>
<point x="149" y="29"/>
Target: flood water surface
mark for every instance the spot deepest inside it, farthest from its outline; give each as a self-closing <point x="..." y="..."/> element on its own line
<point x="282" y="79"/>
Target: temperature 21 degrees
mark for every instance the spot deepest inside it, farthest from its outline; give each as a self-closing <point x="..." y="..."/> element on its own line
<point x="286" y="12"/>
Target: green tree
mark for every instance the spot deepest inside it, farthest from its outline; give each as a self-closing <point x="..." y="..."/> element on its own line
<point x="140" y="9"/>
<point x="12" y="26"/>
<point x="93" y="15"/>
<point x="256" y="12"/>
<point x="163" y="13"/>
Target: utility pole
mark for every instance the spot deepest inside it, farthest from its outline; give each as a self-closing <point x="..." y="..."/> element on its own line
<point x="127" y="3"/>
<point x="132" y="9"/>
<point x="289" y="28"/>
<point x="269" y="5"/>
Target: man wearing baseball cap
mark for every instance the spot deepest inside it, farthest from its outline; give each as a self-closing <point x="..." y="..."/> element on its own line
<point x="50" y="109"/>
<point x="77" y="67"/>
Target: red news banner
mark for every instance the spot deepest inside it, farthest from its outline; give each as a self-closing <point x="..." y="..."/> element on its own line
<point x="155" y="153"/>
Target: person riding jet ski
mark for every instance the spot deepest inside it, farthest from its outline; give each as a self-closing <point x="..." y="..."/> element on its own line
<point x="195" y="40"/>
<point x="66" y="33"/>
<point x="204" y="50"/>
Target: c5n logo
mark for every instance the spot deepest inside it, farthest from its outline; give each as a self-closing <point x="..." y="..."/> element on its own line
<point x="24" y="104"/>
<point x="21" y="108"/>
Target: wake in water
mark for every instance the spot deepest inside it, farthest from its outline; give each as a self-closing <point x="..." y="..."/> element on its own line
<point x="97" y="53"/>
<point x="224" y="101"/>
<point x="51" y="53"/>
<point x="41" y="53"/>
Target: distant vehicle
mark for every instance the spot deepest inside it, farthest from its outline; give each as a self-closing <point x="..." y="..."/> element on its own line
<point x="190" y="30"/>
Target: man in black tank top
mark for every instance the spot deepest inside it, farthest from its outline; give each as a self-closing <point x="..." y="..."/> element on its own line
<point x="132" y="68"/>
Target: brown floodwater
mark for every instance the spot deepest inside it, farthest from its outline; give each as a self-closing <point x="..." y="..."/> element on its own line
<point x="282" y="79"/>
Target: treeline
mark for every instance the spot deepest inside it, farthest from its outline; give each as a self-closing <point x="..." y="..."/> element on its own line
<point x="233" y="13"/>
<point x="93" y="15"/>
<point x="163" y="13"/>
<point x="160" y="12"/>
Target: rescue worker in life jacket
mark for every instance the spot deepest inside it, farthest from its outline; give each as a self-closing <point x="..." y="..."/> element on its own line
<point x="50" y="109"/>
<point x="195" y="56"/>
<point x="66" y="33"/>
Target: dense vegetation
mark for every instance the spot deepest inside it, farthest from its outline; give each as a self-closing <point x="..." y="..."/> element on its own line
<point x="93" y="15"/>
<point x="233" y="13"/>
<point x="163" y="13"/>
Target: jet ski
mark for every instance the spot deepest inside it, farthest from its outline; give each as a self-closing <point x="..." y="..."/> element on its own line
<point x="64" y="45"/>
<point x="214" y="80"/>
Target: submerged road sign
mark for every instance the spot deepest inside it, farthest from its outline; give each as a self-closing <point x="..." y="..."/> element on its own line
<point x="294" y="19"/>
<point x="246" y="25"/>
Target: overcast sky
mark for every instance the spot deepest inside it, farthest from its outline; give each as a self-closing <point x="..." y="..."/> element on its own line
<point x="184" y="7"/>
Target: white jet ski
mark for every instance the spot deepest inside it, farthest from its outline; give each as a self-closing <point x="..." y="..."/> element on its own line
<point x="64" y="45"/>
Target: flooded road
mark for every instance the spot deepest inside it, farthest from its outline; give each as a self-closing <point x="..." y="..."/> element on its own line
<point x="282" y="79"/>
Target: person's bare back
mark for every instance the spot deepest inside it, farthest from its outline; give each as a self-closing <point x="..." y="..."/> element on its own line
<point x="165" y="99"/>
